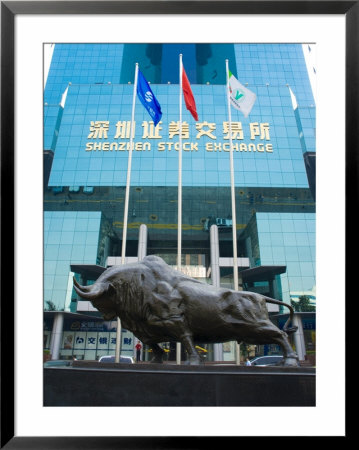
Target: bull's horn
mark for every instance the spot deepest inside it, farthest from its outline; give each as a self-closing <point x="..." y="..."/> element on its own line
<point x="82" y="288"/>
<point x="89" y="292"/>
<point x="76" y="283"/>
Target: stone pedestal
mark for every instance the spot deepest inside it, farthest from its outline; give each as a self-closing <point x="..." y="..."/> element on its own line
<point x="93" y="384"/>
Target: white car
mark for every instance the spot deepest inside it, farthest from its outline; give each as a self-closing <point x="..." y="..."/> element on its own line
<point x="270" y="360"/>
<point x="111" y="359"/>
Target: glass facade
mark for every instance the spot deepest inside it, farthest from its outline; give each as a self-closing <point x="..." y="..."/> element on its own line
<point x="92" y="144"/>
<point x="285" y="239"/>
<point x="69" y="238"/>
<point x="88" y="130"/>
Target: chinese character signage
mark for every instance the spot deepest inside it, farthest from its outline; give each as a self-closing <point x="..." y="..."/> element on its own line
<point x="95" y="341"/>
<point x="255" y="137"/>
<point x="93" y="146"/>
<point x="103" y="340"/>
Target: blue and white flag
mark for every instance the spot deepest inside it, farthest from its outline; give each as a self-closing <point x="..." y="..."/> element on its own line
<point x="148" y="99"/>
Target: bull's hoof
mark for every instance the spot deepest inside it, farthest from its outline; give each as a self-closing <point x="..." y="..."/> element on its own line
<point x="291" y="362"/>
<point x="291" y="330"/>
<point x="156" y="360"/>
<point x="194" y="360"/>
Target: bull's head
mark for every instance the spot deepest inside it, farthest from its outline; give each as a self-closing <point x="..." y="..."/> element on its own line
<point x="101" y="295"/>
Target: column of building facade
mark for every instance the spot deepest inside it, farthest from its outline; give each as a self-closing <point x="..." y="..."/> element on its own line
<point x="56" y="336"/>
<point x="216" y="280"/>
<point x="299" y="337"/>
<point x="142" y="242"/>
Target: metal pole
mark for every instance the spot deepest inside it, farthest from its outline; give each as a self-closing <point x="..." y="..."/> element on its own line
<point x="129" y="163"/>
<point x="179" y="220"/>
<point x="179" y="201"/>
<point x="234" y="221"/>
<point x="125" y="214"/>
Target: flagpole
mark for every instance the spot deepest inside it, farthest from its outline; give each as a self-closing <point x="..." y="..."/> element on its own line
<point x="234" y="223"/>
<point x="125" y="214"/>
<point x="179" y="235"/>
<point x="179" y="201"/>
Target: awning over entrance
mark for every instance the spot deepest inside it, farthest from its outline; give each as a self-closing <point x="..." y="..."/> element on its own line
<point x="88" y="271"/>
<point x="261" y="273"/>
<point x="74" y="316"/>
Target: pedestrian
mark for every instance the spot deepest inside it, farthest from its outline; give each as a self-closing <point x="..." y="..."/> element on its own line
<point x="138" y="347"/>
<point x="248" y="363"/>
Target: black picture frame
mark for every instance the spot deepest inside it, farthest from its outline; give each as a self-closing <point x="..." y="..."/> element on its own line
<point x="9" y="10"/>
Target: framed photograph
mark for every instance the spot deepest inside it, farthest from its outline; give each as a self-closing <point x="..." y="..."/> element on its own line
<point x="27" y="29"/>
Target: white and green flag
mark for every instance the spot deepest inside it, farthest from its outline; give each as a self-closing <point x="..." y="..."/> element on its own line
<point x="241" y="97"/>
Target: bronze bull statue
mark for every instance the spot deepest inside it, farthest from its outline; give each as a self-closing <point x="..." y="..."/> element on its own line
<point x="159" y="304"/>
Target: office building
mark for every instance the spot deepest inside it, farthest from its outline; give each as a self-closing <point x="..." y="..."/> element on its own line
<point x="88" y="100"/>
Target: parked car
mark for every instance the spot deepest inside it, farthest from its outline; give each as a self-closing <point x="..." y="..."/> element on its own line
<point x="222" y="223"/>
<point x="58" y="363"/>
<point x="111" y="359"/>
<point x="270" y="360"/>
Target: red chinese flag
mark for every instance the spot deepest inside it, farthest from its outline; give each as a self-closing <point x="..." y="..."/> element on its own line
<point x="188" y="95"/>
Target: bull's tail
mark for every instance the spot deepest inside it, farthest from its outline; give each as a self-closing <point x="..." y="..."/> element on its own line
<point x="286" y="328"/>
